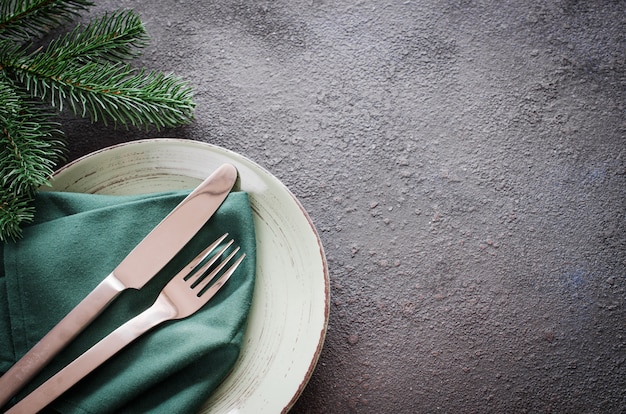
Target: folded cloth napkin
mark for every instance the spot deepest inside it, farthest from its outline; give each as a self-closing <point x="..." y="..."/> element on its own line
<point x="76" y="241"/>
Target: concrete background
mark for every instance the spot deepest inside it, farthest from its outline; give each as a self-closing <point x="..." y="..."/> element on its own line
<point x="464" y="163"/>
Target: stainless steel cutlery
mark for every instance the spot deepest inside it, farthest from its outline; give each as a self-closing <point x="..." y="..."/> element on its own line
<point x="134" y="271"/>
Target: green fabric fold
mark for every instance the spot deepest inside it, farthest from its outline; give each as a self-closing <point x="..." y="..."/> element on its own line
<point x="76" y="241"/>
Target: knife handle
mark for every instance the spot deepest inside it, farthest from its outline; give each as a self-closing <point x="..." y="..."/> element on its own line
<point x="58" y="337"/>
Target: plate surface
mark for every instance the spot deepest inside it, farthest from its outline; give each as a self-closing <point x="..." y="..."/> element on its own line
<point x="289" y="314"/>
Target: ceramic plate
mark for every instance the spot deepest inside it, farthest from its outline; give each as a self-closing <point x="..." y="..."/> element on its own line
<point x="289" y="313"/>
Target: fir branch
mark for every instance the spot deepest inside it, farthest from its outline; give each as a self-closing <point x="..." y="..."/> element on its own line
<point x="15" y="211"/>
<point x="24" y="19"/>
<point x="29" y="149"/>
<point x="110" y="92"/>
<point x="84" y="70"/>
<point x="30" y="142"/>
<point x="113" y="37"/>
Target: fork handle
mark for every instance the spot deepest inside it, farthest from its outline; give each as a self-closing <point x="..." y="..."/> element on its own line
<point x="93" y="358"/>
<point x="58" y="337"/>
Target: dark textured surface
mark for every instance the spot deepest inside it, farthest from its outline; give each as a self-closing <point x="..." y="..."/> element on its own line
<point x="464" y="164"/>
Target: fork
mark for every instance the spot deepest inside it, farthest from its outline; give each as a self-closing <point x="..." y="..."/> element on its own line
<point x="184" y="295"/>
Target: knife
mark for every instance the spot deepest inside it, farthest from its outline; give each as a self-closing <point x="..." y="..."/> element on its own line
<point x="141" y="265"/>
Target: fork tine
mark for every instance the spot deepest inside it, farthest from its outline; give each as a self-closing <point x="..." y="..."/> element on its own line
<point x="186" y="271"/>
<point x="207" y="294"/>
<point x="202" y="270"/>
<point x="204" y="281"/>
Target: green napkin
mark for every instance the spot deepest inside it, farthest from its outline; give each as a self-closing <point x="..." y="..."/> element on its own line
<point x="76" y="241"/>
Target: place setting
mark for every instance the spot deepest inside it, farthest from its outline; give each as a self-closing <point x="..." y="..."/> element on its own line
<point x="162" y="273"/>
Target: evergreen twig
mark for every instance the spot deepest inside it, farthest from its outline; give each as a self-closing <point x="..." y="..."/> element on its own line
<point x="30" y="147"/>
<point x="25" y="19"/>
<point x="85" y="70"/>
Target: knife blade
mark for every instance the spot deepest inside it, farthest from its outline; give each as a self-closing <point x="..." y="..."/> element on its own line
<point x="134" y="271"/>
